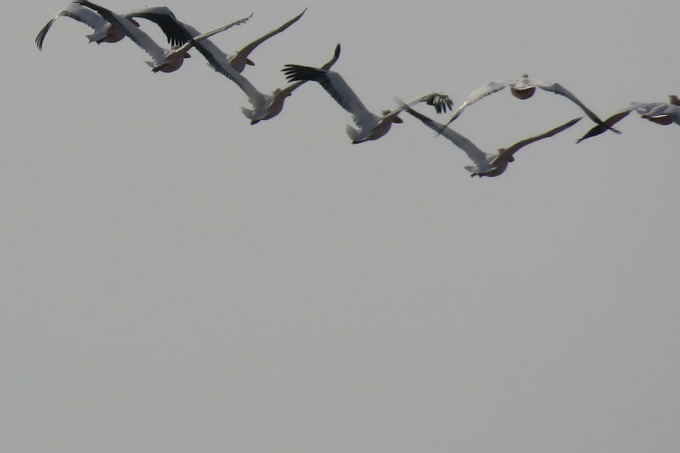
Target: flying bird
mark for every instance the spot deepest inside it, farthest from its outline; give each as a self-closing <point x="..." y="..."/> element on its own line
<point x="164" y="60"/>
<point x="524" y="88"/>
<point x="172" y="27"/>
<point x="485" y="164"/>
<point x="663" y="113"/>
<point x="264" y="106"/>
<point x="274" y="103"/>
<point x="103" y="31"/>
<point x="370" y="126"/>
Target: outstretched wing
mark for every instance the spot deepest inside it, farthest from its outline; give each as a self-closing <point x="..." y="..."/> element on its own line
<point x="203" y="36"/>
<point x="294" y="86"/>
<point x="479" y="93"/>
<point x="479" y="157"/>
<point x="75" y="12"/>
<point x="559" y="89"/>
<point x="241" y="58"/>
<point x="506" y="155"/>
<point x="336" y="86"/>
<point x="608" y="123"/>
<point x="440" y="101"/>
<point x="162" y="16"/>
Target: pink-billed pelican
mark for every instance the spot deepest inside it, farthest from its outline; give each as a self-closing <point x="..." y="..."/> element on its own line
<point x="370" y="126"/>
<point x="164" y="60"/>
<point x="485" y="164"/>
<point x="524" y="88"/>
<point x="663" y="113"/>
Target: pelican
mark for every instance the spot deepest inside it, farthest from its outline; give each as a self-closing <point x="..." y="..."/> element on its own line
<point x="264" y="106"/>
<point x="370" y="125"/>
<point x="103" y="31"/>
<point x="165" y="19"/>
<point x="276" y="100"/>
<point x="164" y="60"/>
<point x="106" y="32"/>
<point x="663" y="113"/>
<point x="485" y="164"/>
<point x="524" y="88"/>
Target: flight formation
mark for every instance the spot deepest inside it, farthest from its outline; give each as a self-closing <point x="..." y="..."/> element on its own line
<point x="110" y="27"/>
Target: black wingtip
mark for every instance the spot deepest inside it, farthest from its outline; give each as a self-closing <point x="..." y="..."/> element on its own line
<point x="295" y="73"/>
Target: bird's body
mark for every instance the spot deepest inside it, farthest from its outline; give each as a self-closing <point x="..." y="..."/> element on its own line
<point x="369" y="125"/>
<point x="485" y="164"/>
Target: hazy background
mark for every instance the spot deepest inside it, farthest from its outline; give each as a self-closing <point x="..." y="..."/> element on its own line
<point x="174" y="279"/>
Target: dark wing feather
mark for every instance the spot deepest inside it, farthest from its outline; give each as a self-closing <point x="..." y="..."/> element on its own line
<point x="608" y="123"/>
<point x="173" y="30"/>
<point x="241" y="56"/>
<point x="507" y="154"/>
<point x="295" y="73"/>
<point x="329" y="64"/>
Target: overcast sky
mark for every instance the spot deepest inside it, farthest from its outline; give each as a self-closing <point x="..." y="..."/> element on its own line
<point x="174" y="279"/>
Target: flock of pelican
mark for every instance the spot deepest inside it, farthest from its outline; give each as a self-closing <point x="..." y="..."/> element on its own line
<point x="110" y="27"/>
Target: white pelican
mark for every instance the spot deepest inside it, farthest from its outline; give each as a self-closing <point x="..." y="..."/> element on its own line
<point x="165" y="19"/>
<point x="164" y="60"/>
<point x="370" y="125"/>
<point x="106" y="32"/>
<point x="485" y="164"/>
<point x="275" y="101"/>
<point x="264" y="106"/>
<point x="523" y="88"/>
<point x="663" y="113"/>
<point x="103" y="31"/>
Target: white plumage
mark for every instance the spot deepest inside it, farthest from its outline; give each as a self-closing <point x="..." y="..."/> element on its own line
<point x="369" y="125"/>
<point x="164" y="60"/>
<point x="663" y="113"/>
<point x="485" y="164"/>
<point x="523" y="88"/>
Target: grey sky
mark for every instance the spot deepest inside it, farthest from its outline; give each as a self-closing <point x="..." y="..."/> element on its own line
<point x="174" y="279"/>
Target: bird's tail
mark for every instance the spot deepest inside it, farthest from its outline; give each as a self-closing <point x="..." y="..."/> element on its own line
<point x="247" y="113"/>
<point x="353" y="133"/>
<point x="473" y="169"/>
